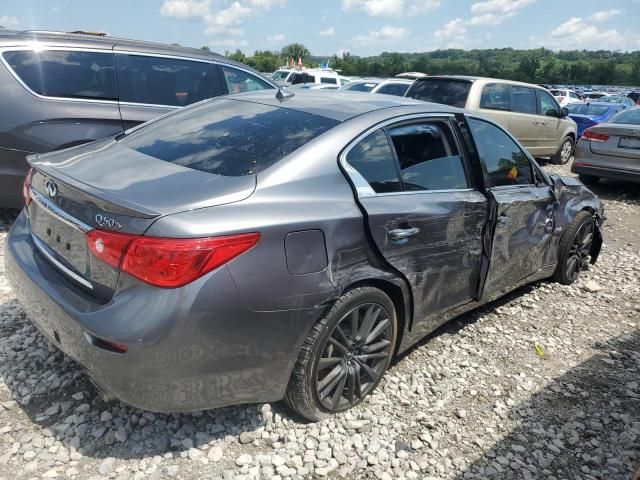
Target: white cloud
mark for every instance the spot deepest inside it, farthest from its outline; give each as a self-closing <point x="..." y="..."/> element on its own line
<point x="391" y="8"/>
<point x="224" y="21"/>
<point x="229" y="43"/>
<point x="9" y="22"/>
<point x="185" y="8"/>
<point x="453" y="28"/>
<point x="500" y="6"/>
<point x="604" y="15"/>
<point x="579" y="33"/>
<point x="277" y="38"/>
<point x="386" y="33"/>
<point x="328" y="32"/>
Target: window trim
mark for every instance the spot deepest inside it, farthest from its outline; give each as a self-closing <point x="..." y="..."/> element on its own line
<point x="362" y="187"/>
<point x="113" y="52"/>
<point x="534" y="170"/>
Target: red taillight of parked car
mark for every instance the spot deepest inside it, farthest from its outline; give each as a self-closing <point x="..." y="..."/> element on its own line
<point x="594" y="137"/>
<point x="26" y="186"/>
<point x="167" y="262"/>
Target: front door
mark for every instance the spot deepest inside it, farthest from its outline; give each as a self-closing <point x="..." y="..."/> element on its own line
<point x="551" y="127"/>
<point x="424" y="216"/>
<point x="524" y="209"/>
<point x="525" y="121"/>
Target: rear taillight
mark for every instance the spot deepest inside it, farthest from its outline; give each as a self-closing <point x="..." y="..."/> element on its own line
<point x="167" y="262"/>
<point x="26" y="186"/>
<point x="594" y="136"/>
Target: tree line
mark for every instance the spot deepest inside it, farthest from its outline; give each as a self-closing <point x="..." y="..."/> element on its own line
<point x="580" y="67"/>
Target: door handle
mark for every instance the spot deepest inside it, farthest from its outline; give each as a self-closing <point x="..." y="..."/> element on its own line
<point x="401" y="235"/>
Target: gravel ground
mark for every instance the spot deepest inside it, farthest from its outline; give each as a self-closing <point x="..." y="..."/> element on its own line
<point x="476" y="399"/>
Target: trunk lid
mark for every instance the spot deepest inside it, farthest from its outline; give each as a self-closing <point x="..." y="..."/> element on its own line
<point x="104" y="185"/>
<point x="620" y="151"/>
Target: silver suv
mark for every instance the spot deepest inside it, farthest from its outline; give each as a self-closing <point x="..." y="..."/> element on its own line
<point x="528" y="111"/>
<point x="60" y="90"/>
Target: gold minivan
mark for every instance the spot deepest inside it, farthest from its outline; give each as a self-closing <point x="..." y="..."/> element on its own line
<point x="528" y="111"/>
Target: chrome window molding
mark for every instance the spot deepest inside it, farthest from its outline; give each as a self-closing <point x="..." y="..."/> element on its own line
<point x="46" y="47"/>
<point x="363" y="189"/>
<point x="42" y="248"/>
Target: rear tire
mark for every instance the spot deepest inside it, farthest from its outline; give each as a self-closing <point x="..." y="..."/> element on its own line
<point x="588" y="179"/>
<point x="574" y="248"/>
<point x="565" y="151"/>
<point x="345" y="355"/>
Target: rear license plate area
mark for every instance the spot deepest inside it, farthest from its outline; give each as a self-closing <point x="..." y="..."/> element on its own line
<point x="629" y="142"/>
<point x="67" y="242"/>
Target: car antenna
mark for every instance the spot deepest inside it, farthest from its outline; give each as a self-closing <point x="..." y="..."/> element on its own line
<point x="282" y="95"/>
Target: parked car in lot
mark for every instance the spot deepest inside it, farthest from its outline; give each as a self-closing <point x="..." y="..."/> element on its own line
<point x="635" y="97"/>
<point x="624" y="102"/>
<point x="317" y="76"/>
<point x="528" y="111"/>
<point x="592" y="113"/>
<point x="610" y="149"/>
<point x="389" y="86"/>
<point x="61" y="90"/>
<point x="565" y="97"/>
<point x="261" y="246"/>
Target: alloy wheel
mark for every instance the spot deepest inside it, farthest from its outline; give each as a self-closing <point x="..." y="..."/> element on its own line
<point x="578" y="257"/>
<point x="565" y="153"/>
<point x="354" y="357"/>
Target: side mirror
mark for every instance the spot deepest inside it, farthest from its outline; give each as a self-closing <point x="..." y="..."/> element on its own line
<point x="552" y="112"/>
<point x="564" y="112"/>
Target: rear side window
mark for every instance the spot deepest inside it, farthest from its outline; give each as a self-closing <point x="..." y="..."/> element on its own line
<point x="164" y="81"/>
<point x="441" y="90"/>
<point x="503" y="161"/>
<point x="495" y="96"/>
<point x="238" y="81"/>
<point x="397" y="89"/>
<point x="228" y="137"/>
<point x="373" y="159"/>
<point x="331" y="80"/>
<point x="297" y="78"/>
<point x="69" y="74"/>
<point x="428" y="157"/>
<point x="523" y="100"/>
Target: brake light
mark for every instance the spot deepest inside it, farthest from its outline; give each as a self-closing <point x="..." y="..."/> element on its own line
<point x="26" y="186"/>
<point x="167" y="262"/>
<point x="594" y="136"/>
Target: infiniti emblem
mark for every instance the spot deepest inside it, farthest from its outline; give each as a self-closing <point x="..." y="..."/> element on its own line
<point x="52" y="190"/>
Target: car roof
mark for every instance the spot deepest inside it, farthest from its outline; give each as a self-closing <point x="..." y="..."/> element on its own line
<point x="336" y="105"/>
<point x="9" y="38"/>
<point x="472" y="79"/>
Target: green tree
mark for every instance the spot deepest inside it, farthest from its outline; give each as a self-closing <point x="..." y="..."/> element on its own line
<point x="295" y="51"/>
<point x="238" y="56"/>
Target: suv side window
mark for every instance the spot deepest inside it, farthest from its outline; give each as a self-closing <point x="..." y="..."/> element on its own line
<point x="373" y="158"/>
<point x="70" y="74"/>
<point x="495" y="96"/>
<point x="302" y="77"/>
<point x="523" y="100"/>
<point x="503" y="161"/>
<point x="331" y="80"/>
<point x="164" y="81"/>
<point x="238" y="81"/>
<point x="397" y="89"/>
<point x="428" y="157"/>
<point x="547" y="104"/>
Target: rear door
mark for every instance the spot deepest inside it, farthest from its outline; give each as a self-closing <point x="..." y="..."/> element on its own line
<point x="525" y="121"/>
<point x="525" y="209"/>
<point x="150" y="85"/>
<point x="424" y="214"/>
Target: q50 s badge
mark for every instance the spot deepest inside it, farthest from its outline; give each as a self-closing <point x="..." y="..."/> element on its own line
<point x="108" y="222"/>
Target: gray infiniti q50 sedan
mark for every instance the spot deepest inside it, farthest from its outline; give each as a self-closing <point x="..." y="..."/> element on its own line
<point x="262" y="247"/>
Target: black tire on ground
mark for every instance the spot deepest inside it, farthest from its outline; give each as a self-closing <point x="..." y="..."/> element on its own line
<point x="563" y="155"/>
<point x="573" y="250"/>
<point x="588" y="179"/>
<point x="304" y="390"/>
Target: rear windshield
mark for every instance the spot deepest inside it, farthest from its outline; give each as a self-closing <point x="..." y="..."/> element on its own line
<point x="441" y="90"/>
<point x="587" y="109"/>
<point x="228" y="137"/>
<point x="631" y="117"/>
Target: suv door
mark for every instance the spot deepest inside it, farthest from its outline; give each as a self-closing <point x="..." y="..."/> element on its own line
<point x="525" y="121"/>
<point x="425" y="217"/>
<point x="524" y="209"/>
<point x="551" y="128"/>
<point x="150" y="85"/>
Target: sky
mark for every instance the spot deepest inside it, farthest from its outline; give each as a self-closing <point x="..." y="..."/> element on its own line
<point x="327" y="27"/>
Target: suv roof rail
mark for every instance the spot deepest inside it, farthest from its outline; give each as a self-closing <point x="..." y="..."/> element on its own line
<point x="56" y="32"/>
